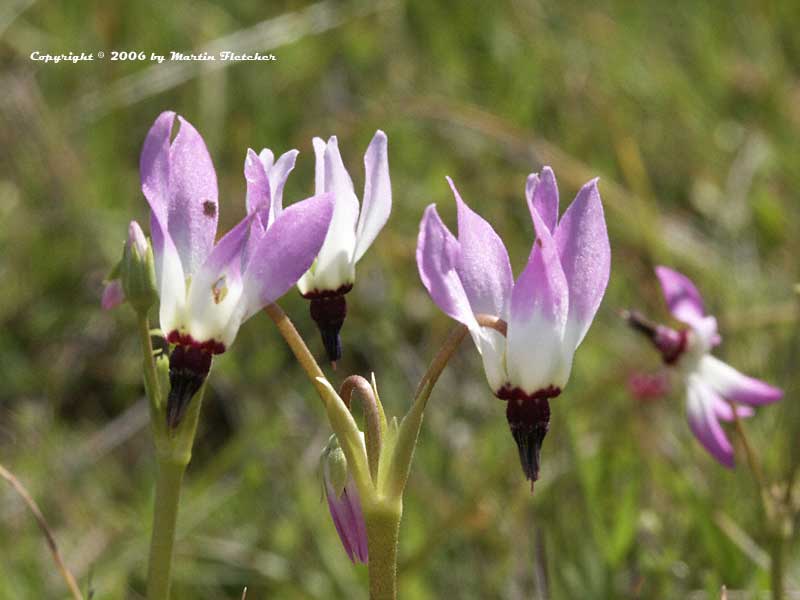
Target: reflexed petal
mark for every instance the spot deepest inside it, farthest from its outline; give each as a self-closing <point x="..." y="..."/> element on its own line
<point x="705" y="331"/>
<point x="170" y="277"/>
<point x="192" y="220"/>
<point x="278" y="175"/>
<point x="492" y="347"/>
<point x="683" y="299"/>
<point x="258" y="196"/>
<point x="536" y="357"/>
<point x="437" y="256"/>
<point x="541" y="192"/>
<point x="334" y="266"/>
<point x="377" y="202"/>
<point x="483" y="265"/>
<point x="258" y="189"/>
<point x="319" y="165"/>
<point x="704" y="422"/>
<point x="113" y="295"/>
<point x="585" y="254"/>
<point x="723" y="409"/>
<point x="215" y="310"/>
<point x="154" y="165"/>
<point x="735" y="386"/>
<point x="286" y="251"/>
<point x="267" y="159"/>
<point x="337" y="179"/>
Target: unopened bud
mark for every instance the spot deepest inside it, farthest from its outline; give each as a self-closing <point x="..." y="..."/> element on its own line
<point x="344" y="502"/>
<point x="138" y="273"/>
<point x="113" y="295"/>
<point x="334" y="466"/>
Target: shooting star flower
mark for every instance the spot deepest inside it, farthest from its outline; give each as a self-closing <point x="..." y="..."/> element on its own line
<point x="207" y="289"/>
<point x="548" y="310"/>
<point x="351" y="233"/>
<point x="714" y="389"/>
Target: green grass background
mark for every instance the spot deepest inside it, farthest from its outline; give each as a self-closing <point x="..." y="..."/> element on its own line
<point x="689" y="112"/>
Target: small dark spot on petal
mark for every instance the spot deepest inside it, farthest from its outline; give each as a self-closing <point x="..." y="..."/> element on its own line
<point x="539" y="242"/>
<point x="209" y="208"/>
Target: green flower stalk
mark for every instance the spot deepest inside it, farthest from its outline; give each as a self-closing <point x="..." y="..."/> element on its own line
<point x="376" y="462"/>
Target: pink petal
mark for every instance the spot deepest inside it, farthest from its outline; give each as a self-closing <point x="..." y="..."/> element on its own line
<point x="437" y="257"/>
<point x="278" y="175"/>
<point x="338" y="510"/>
<point x="536" y="357"/>
<point x="154" y="166"/>
<point x="735" y="386"/>
<point x="541" y="192"/>
<point x="113" y="295"/>
<point x="724" y="412"/>
<point x="227" y="253"/>
<point x="348" y="519"/>
<point x="585" y="254"/>
<point x="704" y="422"/>
<point x="258" y="190"/>
<point x="170" y="276"/>
<point x="377" y="202"/>
<point x="683" y="299"/>
<point x="483" y="265"/>
<point x="258" y="199"/>
<point x="286" y="251"/>
<point x="319" y="165"/>
<point x="193" y="206"/>
<point x="215" y="304"/>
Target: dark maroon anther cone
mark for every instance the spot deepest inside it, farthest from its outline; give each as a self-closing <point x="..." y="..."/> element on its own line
<point x="329" y="309"/>
<point x="529" y="420"/>
<point x="670" y="343"/>
<point x="188" y="369"/>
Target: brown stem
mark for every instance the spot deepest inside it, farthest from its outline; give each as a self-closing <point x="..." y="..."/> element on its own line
<point x="372" y="416"/>
<point x="48" y="534"/>
<point x="451" y="344"/>
<point x="441" y="359"/>
<point x="493" y="322"/>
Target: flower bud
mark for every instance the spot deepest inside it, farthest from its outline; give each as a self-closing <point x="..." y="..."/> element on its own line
<point x="334" y="466"/>
<point x="137" y="271"/>
<point x="344" y="502"/>
<point x="113" y="295"/>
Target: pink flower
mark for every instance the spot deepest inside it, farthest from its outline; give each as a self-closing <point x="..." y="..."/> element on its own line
<point x="207" y="287"/>
<point x="714" y="389"/>
<point x="352" y="231"/>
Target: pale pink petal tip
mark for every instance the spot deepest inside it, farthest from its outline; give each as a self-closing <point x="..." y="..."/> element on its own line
<point x="113" y="295"/>
<point x="683" y="299"/>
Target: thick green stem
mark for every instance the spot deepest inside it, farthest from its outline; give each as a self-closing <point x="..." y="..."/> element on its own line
<point x="149" y="366"/>
<point x="173" y="453"/>
<point x="165" y="517"/>
<point x="383" y="530"/>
